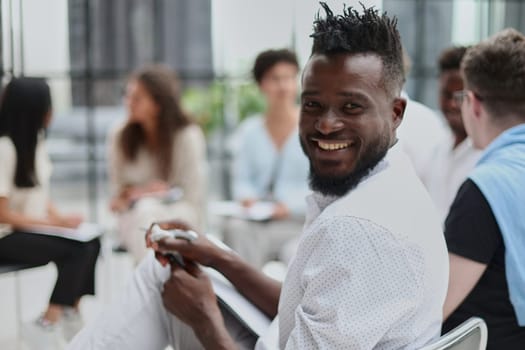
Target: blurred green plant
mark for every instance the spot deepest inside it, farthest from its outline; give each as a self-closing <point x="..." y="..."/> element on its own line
<point x="207" y="105"/>
<point x="250" y="100"/>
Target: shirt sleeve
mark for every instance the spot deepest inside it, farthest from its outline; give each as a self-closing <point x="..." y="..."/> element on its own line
<point x="189" y="166"/>
<point x="471" y="230"/>
<point x="359" y="288"/>
<point x="7" y="175"/>
<point x="242" y="183"/>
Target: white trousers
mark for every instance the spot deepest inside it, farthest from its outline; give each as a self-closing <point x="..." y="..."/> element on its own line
<point x="144" y="212"/>
<point x="260" y="242"/>
<point x="138" y="320"/>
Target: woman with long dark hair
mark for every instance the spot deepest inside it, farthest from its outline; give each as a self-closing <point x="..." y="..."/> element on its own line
<point x="155" y="157"/>
<point x="25" y="112"/>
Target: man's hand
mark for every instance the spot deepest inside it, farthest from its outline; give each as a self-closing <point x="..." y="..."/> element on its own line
<point x="200" y="250"/>
<point x="188" y="295"/>
<point x="253" y="284"/>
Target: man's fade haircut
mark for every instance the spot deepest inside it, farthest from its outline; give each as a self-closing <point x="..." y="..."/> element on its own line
<point x="495" y="70"/>
<point x="450" y="59"/>
<point x="266" y="60"/>
<point x="362" y="33"/>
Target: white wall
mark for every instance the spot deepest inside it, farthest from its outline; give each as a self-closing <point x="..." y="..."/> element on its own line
<point x="43" y="50"/>
<point x="241" y="29"/>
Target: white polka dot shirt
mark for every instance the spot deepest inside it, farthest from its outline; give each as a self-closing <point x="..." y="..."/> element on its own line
<point x="371" y="269"/>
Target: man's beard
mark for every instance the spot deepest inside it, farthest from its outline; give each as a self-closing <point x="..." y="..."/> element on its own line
<point x="339" y="186"/>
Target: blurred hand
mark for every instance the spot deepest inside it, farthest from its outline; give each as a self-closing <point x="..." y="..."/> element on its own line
<point x="201" y="250"/>
<point x="119" y="204"/>
<point x="280" y="212"/>
<point x="69" y="221"/>
<point x="158" y="186"/>
<point x="248" y="202"/>
<point x="155" y="187"/>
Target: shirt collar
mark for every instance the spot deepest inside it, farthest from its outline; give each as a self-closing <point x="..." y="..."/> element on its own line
<point x="317" y="202"/>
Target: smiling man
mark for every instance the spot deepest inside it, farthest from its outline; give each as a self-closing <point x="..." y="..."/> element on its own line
<point x="371" y="267"/>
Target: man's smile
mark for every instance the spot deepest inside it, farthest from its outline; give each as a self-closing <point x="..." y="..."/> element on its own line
<point x="332" y="145"/>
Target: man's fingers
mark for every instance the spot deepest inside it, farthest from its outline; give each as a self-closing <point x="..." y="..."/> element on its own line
<point x="193" y="269"/>
<point x="172" y="244"/>
<point x="180" y="275"/>
<point x="164" y="261"/>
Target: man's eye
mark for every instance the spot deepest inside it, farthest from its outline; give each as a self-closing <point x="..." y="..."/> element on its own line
<point x="310" y="104"/>
<point x="352" y="106"/>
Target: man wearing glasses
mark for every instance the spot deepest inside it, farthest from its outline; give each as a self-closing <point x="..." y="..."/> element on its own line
<point x="485" y="229"/>
<point x="455" y="156"/>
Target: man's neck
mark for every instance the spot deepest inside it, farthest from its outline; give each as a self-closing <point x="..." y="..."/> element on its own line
<point x="496" y="127"/>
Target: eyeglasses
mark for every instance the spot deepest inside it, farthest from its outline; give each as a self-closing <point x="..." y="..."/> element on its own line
<point x="459" y="96"/>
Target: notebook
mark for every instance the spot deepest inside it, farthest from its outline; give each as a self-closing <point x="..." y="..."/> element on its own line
<point x="85" y="232"/>
<point x="242" y="309"/>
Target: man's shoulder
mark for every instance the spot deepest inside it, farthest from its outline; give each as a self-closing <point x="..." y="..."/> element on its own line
<point x="337" y="228"/>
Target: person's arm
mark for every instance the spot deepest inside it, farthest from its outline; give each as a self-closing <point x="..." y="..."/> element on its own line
<point x="20" y="221"/>
<point x="260" y="289"/>
<point x="7" y="175"/>
<point x="189" y="165"/>
<point x="295" y="170"/>
<point x="242" y="183"/>
<point x="119" y="200"/>
<point x="463" y="277"/>
<point x="472" y="236"/>
<point x="70" y="220"/>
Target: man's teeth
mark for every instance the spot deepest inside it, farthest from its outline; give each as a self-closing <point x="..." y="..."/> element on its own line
<point x="331" y="146"/>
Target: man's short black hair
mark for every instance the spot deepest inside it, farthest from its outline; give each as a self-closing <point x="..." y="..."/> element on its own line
<point x="362" y="33"/>
<point x="267" y="59"/>
<point x="450" y="59"/>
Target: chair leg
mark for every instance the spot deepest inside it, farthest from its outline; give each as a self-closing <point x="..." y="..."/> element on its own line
<point x="18" y="311"/>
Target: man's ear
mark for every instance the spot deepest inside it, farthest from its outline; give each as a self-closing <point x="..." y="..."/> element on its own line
<point x="476" y="104"/>
<point x="398" y="110"/>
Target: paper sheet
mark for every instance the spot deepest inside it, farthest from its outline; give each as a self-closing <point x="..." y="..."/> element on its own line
<point x="85" y="232"/>
<point x="247" y="313"/>
<point x="260" y="211"/>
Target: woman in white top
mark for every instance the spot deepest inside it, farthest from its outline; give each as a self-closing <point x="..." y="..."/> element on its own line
<point x="268" y="163"/>
<point x="25" y="112"/>
<point x="156" y="159"/>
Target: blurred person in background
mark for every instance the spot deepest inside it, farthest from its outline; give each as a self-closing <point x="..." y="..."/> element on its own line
<point x="157" y="159"/>
<point x="455" y="156"/>
<point x="25" y="113"/>
<point x="421" y="131"/>
<point x="268" y="163"/>
<point x="485" y="229"/>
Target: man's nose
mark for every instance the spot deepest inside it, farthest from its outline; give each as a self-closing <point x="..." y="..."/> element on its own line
<point x="328" y="123"/>
<point x="450" y="103"/>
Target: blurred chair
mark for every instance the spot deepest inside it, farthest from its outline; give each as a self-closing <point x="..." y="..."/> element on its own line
<point x="9" y="267"/>
<point x="470" y="335"/>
